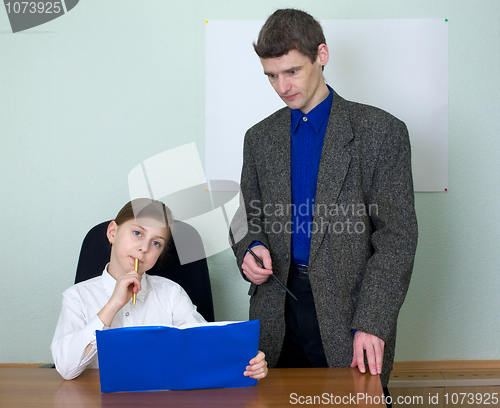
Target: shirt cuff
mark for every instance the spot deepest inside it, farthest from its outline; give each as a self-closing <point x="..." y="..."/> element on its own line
<point x="255" y="243"/>
<point x="89" y="330"/>
<point x="90" y="338"/>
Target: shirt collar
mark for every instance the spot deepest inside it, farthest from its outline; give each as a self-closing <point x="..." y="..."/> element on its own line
<point x="316" y="117"/>
<point x="109" y="284"/>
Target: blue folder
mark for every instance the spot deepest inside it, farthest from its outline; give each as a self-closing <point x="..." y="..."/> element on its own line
<point x="149" y="358"/>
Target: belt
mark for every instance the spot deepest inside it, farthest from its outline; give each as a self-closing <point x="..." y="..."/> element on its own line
<point x="299" y="271"/>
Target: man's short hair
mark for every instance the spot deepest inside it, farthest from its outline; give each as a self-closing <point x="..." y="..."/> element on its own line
<point x="289" y="29"/>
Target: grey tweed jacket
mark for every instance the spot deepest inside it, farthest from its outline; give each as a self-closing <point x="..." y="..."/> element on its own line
<point x="363" y="235"/>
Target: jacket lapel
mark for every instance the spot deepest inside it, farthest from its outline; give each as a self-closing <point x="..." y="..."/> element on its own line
<point x="278" y="157"/>
<point x="334" y="164"/>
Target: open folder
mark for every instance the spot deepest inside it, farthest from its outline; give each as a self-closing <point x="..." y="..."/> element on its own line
<point x="205" y="355"/>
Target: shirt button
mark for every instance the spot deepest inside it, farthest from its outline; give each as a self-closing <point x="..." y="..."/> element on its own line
<point x="127" y="314"/>
<point x="304" y="118"/>
<point x="285" y="256"/>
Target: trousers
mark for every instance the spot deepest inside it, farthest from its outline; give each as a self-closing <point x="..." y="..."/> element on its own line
<point x="302" y="346"/>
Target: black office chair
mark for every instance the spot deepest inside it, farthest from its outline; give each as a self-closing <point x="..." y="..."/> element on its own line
<point x="193" y="276"/>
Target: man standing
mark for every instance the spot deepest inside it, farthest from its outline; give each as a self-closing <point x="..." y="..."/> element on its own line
<point x="328" y="197"/>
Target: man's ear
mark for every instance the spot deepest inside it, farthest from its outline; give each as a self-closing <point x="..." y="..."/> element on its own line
<point x="323" y="54"/>
<point x="111" y="232"/>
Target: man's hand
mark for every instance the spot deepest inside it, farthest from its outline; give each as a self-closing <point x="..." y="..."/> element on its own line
<point x="252" y="270"/>
<point x="374" y="352"/>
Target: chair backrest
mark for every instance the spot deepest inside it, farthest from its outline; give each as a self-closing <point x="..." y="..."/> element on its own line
<point x="193" y="276"/>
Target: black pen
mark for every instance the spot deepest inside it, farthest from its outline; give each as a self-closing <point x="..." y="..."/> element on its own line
<point x="259" y="261"/>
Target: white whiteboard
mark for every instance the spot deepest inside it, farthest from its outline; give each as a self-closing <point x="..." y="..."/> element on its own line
<point x="400" y="66"/>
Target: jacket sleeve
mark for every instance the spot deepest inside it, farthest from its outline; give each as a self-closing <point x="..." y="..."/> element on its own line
<point x="394" y="238"/>
<point x="247" y="225"/>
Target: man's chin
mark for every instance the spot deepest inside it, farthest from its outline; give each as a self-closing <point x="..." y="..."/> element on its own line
<point x="292" y="104"/>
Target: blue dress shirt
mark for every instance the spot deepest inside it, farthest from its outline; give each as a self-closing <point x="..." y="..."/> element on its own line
<point x="307" y="135"/>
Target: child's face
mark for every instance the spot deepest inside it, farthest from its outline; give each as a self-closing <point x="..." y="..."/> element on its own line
<point x="144" y="239"/>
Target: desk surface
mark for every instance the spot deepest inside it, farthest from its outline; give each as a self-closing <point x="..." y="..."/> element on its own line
<point x="44" y="388"/>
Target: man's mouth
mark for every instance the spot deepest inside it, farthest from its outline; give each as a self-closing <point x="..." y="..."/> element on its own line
<point x="290" y="97"/>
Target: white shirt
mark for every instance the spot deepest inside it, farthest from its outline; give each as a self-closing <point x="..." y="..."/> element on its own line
<point x="161" y="302"/>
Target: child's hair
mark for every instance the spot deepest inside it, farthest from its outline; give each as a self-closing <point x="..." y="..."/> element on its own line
<point x="146" y="208"/>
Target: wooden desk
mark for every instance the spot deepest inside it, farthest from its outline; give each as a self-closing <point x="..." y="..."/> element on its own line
<point x="44" y="388"/>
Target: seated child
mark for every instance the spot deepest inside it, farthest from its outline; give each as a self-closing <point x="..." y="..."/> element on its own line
<point x="139" y="231"/>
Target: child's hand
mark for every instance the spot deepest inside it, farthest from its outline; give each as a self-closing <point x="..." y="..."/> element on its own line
<point x="258" y="367"/>
<point x="125" y="286"/>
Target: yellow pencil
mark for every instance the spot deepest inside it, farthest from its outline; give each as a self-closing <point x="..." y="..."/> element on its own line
<point x="136" y="268"/>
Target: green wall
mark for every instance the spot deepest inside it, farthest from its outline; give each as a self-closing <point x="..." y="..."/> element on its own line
<point x="88" y="96"/>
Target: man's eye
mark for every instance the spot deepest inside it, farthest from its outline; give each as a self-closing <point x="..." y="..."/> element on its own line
<point x="138" y="233"/>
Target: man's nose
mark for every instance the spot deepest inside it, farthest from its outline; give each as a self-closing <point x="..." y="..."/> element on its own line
<point x="283" y="86"/>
